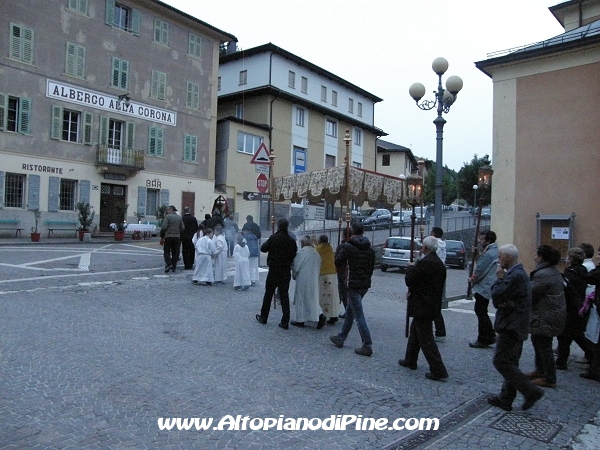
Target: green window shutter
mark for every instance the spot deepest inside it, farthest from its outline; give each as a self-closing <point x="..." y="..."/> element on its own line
<point x="141" y="203"/>
<point x="57" y="117"/>
<point x="135" y="21"/>
<point x="87" y="128"/>
<point x="84" y="191"/>
<point x="27" y="45"/>
<point x="24" y="115"/>
<point x="110" y="12"/>
<point x="130" y="135"/>
<point x="160" y="142"/>
<point x="157" y="30"/>
<point x="124" y="75"/>
<point x="1" y="189"/>
<point x="164" y="197"/>
<point x="53" y="194"/>
<point x="70" y="59"/>
<point x="165" y="33"/>
<point x="152" y="141"/>
<point x="33" y="192"/>
<point x="116" y="70"/>
<point x="3" y="98"/>
<point x="154" y="86"/>
<point x="80" y="62"/>
<point x="15" y="41"/>
<point x="159" y="85"/>
<point x="162" y="90"/>
<point x="103" y="137"/>
<point x="73" y="4"/>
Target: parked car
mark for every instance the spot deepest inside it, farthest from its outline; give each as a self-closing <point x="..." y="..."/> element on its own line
<point x="396" y="253"/>
<point x="456" y="254"/>
<point x="426" y="216"/>
<point x="401" y="218"/>
<point x="374" y="218"/>
<point x="486" y="212"/>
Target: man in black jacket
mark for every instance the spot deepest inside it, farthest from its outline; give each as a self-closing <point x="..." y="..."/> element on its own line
<point x="359" y="256"/>
<point x="425" y="280"/>
<point x="191" y="227"/>
<point x="282" y="251"/>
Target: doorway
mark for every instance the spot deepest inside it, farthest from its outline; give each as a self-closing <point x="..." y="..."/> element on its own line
<point x="110" y="194"/>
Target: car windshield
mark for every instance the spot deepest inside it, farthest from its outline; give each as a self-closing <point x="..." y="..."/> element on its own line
<point x="399" y="244"/>
<point x="450" y="245"/>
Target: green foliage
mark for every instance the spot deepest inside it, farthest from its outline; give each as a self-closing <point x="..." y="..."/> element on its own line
<point x="468" y="177"/>
<point x="85" y="216"/>
<point x="121" y="215"/>
<point x="161" y="211"/>
<point x="37" y="214"/>
<point x="448" y="186"/>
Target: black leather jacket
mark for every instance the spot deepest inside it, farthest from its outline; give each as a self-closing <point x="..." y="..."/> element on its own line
<point x="360" y="257"/>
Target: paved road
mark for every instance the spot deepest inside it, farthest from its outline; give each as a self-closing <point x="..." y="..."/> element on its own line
<point x="93" y="362"/>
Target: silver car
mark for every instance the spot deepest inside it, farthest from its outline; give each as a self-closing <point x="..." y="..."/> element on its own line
<point x="396" y="253"/>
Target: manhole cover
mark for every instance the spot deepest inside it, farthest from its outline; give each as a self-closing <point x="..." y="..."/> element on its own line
<point x="529" y="427"/>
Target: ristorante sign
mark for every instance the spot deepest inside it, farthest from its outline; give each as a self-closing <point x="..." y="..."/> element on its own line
<point x="80" y="96"/>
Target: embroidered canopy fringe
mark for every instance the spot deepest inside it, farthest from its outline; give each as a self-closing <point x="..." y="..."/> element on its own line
<point x="365" y="186"/>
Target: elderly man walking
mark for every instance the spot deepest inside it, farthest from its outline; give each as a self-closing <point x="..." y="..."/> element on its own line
<point x="171" y="229"/>
<point x="305" y="270"/>
<point x="511" y="296"/>
<point x="425" y="280"/>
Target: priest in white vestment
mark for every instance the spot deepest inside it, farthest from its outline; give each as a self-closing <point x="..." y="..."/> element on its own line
<point x="305" y="270"/>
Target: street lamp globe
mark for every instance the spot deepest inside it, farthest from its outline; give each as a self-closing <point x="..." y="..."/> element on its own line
<point x="454" y="84"/>
<point x="417" y="91"/>
<point x="440" y="65"/>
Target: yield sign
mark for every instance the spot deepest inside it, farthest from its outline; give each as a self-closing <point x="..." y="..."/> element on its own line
<point x="261" y="156"/>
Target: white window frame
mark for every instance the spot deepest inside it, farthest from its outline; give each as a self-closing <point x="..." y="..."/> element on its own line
<point x="351" y="106"/>
<point x="358" y="137"/>
<point x="15" y="114"/>
<point x="243" y="77"/>
<point x="239" y="111"/>
<point x="334" y="98"/>
<point x="331" y="128"/>
<point x="67" y="194"/>
<point x="359" y="111"/>
<point x="248" y="143"/>
<point x="14" y="190"/>
<point x="292" y="79"/>
<point x="304" y="85"/>
<point x="324" y="93"/>
<point x="300" y="116"/>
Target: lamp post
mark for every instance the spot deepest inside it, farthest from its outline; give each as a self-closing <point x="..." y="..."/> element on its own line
<point x="444" y="98"/>
<point x="347" y="141"/>
<point x="402" y="191"/>
<point x="421" y="165"/>
<point x="474" y="196"/>
<point x="272" y="188"/>
<point x="484" y="180"/>
<point x="413" y="197"/>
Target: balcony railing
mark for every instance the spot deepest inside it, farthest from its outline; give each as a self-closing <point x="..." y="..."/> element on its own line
<point x="114" y="158"/>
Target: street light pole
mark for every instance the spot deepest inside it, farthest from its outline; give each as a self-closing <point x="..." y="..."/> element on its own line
<point x="474" y="195"/>
<point x="414" y="186"/>
<point x="444" y="98"/>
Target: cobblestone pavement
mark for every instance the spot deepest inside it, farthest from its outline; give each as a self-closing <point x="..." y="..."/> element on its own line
<point x="96" y="365"/>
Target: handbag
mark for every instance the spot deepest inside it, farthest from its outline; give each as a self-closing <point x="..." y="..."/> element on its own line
<point x="592" y="329"/>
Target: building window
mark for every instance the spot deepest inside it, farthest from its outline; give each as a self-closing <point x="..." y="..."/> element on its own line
<point x="21" y="43"/>
<point x="78" y="6"/>
<point x="120" y="70"/>
<point x="333" y="98"/>
<point x="304" y="85"/>
<point x="159" y="85"/>
<point x="323" y="93"/>
<point x="248" y="143"/>
<point x="300" y="117"/>
<point x="152" y="201"/>
<point x="358" y="137"/>
<point x="14" y="190"/>
<point x="331" y="129"/>
<point x="351" y="106"/>
<point x="68" y="126"/>
<point x="156" y="141"/>
<point x="243" y="77"/>
<point x="192" y="99"/>
<point x="116" y="136"/>
<point x="190" y="147"/>
<point x="161" y="32"/>
<point x="195" y="46"/>
<point x="356" y="164"/>
<point x="292" y="79"/>
<point x="68" y="194"/>
<point x="239" y="111"/>
<point x="385" y="160"/>
<point x="359" y="109"/>
<point x="75" y="60"/>
<point x="15" y="114"/>
<point x="329" y="161"/>
<point x="122" y="17"/>
<point x="219" y="84"/>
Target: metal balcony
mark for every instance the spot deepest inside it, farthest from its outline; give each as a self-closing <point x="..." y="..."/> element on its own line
<point x="128" y="161"/>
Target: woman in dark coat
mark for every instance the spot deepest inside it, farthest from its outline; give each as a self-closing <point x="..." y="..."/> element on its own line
<point x="548" y="314"/>
<point x="575" y="276"/>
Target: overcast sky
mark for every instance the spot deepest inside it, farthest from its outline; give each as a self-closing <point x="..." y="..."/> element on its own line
<point x="384" y="46"/>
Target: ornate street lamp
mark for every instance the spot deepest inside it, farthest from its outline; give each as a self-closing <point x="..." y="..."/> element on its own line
<point x="347" y="140"/>
<point x="421" y="165"/>
<point x="484" y="181"/>
<point x="402" y="200"/>
<point x="272" y="188"/>
<point x="414" y="194"/>
<point x="444" y="98"/>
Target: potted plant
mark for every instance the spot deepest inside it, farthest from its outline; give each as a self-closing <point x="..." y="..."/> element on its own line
<point x="140" y="216"/>
<point x="161" y="212"/>
<point x="121" y="219"/>
<point x="35" y="235"/>
<point x="86" y="218"/>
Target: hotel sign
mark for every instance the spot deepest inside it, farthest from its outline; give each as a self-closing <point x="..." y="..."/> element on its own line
<point x="93" y="99"/>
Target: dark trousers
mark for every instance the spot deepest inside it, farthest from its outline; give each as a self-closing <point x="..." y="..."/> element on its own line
<point x="342" y="289"/>
<point x="277" y="280"/>
<point x="594" y="367"/>
<point x="188" y="252"/>
<point x="486" y="334"/>
<point x="171" y="251"/>
<point x="440" y="325"/>
<point x="506" y="361"/>
<point x="544" y="357"/>
<point x="420" y="338"/>
<point x="572" y="332"/>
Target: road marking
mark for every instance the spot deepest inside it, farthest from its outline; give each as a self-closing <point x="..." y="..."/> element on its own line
<point x="84" y="261"/>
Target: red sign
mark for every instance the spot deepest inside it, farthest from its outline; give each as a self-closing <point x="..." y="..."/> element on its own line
<point x="262" y="183"/>
<point x="261" y="156"/>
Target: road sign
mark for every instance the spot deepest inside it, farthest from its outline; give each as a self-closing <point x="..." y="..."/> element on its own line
<point x="255" y="196"/>
<point x="261" y="156"/>
<point x="313" y="212"/>
<point x="262" y="183"/>
<point x="261" y="168"/>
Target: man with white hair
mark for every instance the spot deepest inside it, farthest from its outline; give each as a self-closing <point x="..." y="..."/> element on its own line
<point x="425" y="280"/>
<point x="305" y="270"/>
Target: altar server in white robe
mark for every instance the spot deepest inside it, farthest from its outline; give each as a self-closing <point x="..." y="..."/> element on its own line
<point x="305" y="270"/>
<point x="220" y="259"/>
<point x="241" y="254"/>
<point x="205" y="249"/>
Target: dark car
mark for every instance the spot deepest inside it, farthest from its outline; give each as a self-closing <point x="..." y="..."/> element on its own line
<point x="486" y="212"/>
<point x="374" y="218"/>
<point x="456" y="255"/>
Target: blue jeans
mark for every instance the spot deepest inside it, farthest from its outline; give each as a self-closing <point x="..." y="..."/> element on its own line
<point x="354" y="311"/>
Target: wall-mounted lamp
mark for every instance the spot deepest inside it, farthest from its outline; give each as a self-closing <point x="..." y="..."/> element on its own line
<point x="125" y="99"/>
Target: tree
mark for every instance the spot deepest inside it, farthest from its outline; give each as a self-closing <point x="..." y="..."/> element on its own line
<point x="448" y="186"/>
<point x="468" y="177"/>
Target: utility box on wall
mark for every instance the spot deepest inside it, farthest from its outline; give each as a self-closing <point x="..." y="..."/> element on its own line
<point x="556" y="231"/>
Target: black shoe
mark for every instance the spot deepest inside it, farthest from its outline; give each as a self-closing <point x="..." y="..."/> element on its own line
<point x="529" y="402"/>
<point x="433" y="377"/>
<point x="403" y="363"/>
<point x="194" y="281"/>
<point x="260" y="319"/>
<point x="167" y="268"/>
<point x="322" y="320"/>
<point x="297" y="324"/>
<point x="337" y="341"/>
<point x="561" y="366"/>
<point x="589" y="376"/>
<point x="285" y="327"/>
<point x="332" y="320"/>
<point x="478" y="344"/>
<point x="495" y="401"/>
<point x="172" y="268"/>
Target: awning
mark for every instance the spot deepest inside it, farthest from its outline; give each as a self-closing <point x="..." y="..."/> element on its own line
<point x="330" y="184"/>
